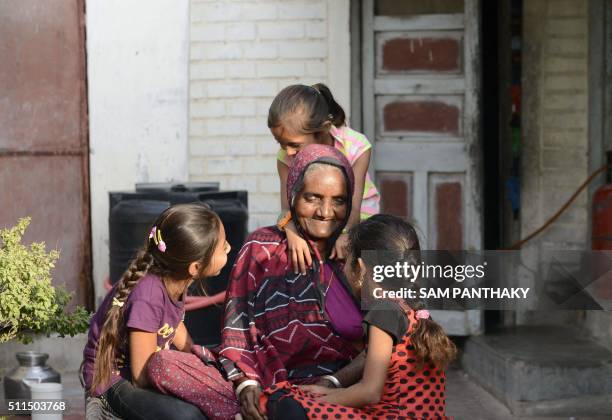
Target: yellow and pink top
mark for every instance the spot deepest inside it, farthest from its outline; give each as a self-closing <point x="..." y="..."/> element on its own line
<point x="352" y="144"/>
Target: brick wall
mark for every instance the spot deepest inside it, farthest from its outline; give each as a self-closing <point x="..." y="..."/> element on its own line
<point x="242" y="54"/>
<point x="555" y="134"/>
<point x="555" y="147"/>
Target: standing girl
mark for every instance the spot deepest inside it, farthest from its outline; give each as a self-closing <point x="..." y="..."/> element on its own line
<point x="144" y="312"/>
<point x="406" y="355"/>
<point x="301" y="115"/>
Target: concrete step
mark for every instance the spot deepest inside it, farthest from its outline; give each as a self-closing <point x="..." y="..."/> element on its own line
<point x="542" y="370"/>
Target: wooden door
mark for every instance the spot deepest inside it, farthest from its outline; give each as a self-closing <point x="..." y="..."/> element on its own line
<point x="421" y="109"/>
<point x="43" y="132"/>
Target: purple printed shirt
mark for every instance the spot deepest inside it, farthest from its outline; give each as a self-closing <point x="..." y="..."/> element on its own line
<point x="148" y="308"/>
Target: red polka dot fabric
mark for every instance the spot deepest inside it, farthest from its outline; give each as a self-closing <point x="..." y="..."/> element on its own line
<point x="409" y="393"/>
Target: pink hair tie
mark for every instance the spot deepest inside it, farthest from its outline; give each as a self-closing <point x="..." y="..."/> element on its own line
<point x="422" y="314"/>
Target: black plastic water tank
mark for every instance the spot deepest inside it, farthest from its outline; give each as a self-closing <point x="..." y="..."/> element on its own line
<point x="165" y="187"/>
<point x="133" y="212"/>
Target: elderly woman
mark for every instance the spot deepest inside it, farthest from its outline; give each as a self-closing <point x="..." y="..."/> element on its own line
<point x="280" y="325"/>
<point x="285" y="326"/>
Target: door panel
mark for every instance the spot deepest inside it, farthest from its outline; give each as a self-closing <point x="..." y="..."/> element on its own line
<point x="445" y="194"/>
<point x="406" y="53"/>
<point x="42" y="74"/>
<point x="396" y="193"/>
<point x="419" y="116"/>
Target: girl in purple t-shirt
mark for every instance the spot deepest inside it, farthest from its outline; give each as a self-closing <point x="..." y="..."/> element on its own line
<point x="144" y="312"/>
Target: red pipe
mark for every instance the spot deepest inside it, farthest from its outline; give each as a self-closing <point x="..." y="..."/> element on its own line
<point x="191" y="302"/>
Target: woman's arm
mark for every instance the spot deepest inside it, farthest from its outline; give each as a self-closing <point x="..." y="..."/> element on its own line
<point x="353" y="372"/>
<point x="347" y="376"/>
<point x="142" y="345"/>
<point x="369" y="389"/>
<point x="182" y="340"/>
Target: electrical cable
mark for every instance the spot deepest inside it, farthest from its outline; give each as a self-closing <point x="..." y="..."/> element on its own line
<point x="553" y="218"/>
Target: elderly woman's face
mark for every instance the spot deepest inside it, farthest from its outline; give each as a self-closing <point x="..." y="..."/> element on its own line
<point x="321" y="205"/>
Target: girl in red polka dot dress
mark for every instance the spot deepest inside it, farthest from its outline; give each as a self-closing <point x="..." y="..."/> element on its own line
<point x="406" y="354"/>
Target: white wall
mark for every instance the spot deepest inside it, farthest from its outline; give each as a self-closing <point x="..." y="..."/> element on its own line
<point x="137" y="70"/>
<point x="242" y="54"/>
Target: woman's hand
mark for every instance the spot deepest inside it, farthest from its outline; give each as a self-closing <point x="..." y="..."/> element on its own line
<point x="339" y="251"/>
<point x="249" y="403"/>
<point x="299" y="251"/>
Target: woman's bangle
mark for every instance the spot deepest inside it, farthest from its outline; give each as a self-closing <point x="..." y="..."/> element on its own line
<point x="333" y="380"/>
<point x="244" y="384"/>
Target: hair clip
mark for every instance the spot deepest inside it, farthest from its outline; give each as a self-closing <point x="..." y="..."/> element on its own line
<point x="155" y="234"/>
<point x="330" y="117"/>
<point x="117" y="302"/>
<point x="422" y="314"/>
<point x="161" y="245"/>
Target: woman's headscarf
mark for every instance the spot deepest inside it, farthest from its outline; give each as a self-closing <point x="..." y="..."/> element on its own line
<point x="319" y="153"/>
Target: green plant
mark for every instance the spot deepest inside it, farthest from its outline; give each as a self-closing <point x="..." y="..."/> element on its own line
<point x="29" y="304"/>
